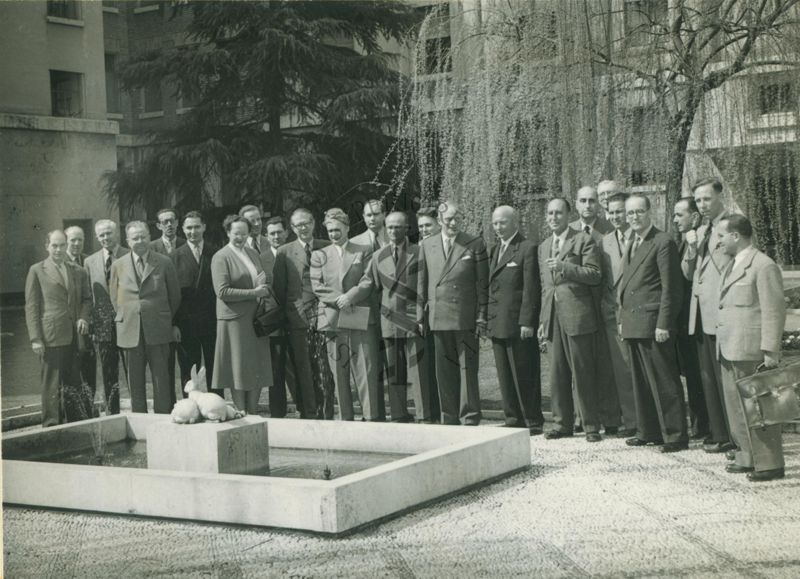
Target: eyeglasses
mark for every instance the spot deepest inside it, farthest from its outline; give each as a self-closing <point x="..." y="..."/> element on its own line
<point x="302" y="224"/>
<point x="166" y="221"/>
<point x="633" y="212"/>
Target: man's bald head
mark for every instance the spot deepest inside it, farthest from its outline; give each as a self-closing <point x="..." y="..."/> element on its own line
<point x="587" y="205"/>
<point x="504" y="222"/>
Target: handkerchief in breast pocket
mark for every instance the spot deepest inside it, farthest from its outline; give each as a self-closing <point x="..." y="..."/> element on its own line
<point x="512" y="264"/>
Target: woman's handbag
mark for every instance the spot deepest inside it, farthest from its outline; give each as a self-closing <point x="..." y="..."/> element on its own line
<point x="270" y="315"/>
<point x="772" y="396"/>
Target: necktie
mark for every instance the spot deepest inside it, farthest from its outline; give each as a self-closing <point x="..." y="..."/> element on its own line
<point x="395" y="254"/>
<point x="556" y="246"/>
<point x="375" y="244"/>
<point x="140" y="267"/>
<point x="636" y="245"/>
<point x="448" y="245"/>
<point x="308" y="253"/>
<point x="587" y="230"/>
<point x="167" y="246"/>
<point x="703" y="249"/>
<point x="256" y="245"/>
<point x="108" y="267"/>
<point x="196" y="252"/>
<point x="620" y="242"/>
<point x="62" y="269"/>
<point x="503" y="247"/>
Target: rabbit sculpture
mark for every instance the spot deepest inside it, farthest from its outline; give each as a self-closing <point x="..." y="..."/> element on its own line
<point x="212" y="407"/>
<point x="185" y="411"/>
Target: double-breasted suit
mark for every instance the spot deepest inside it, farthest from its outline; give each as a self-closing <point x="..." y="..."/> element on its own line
<point x="704" y="268"/>
<point x="393" y="275"/>
<point x="104" y="330"/>
<point x="650" y="298"/>
<point x="158" y="246"/>
<point x="514" y="301"/>
<point x="570" y="320"/>
<point x="292" y="284"/>
<point x="145" y="308"/>
<point x="455" y="291"/>
<point x="52" y="311"/>
<point x="613" y="254"/>
<point x="196" y="317"/>
<point x="352" y="353"/>
<point x="752" y="316"/>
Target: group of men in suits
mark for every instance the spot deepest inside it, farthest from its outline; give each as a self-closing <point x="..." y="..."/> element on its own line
<point x="623" y="309"/>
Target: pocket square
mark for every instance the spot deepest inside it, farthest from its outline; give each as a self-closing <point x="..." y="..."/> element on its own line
<point x="512" y="264"/>
<point x="466" y="257"/>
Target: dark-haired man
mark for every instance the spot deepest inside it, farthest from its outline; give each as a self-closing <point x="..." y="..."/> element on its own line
<point x="167" y="224"/>
<point x="196" y="318"/>
<point x="749" y="330"/>
<point x="686" y="218"/>
<point x="703" y="264"/>
<point x="648" y="307"/>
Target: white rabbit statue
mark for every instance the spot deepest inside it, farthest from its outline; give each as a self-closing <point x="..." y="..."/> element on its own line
<point x="185" y="411"/>
<point x="212" y="407"/>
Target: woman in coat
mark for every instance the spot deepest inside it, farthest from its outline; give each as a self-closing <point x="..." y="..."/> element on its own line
<point x="241" y="360"/>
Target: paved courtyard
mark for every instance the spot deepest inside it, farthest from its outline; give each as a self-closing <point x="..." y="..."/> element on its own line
<point x="600" y="510"/>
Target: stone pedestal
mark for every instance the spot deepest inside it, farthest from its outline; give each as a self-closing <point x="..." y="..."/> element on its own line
<point x="235" y="447"/>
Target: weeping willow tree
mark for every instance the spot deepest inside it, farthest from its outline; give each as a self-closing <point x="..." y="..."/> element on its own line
<point x="515" y="101"/>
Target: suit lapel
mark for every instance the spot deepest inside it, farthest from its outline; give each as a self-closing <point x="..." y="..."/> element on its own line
<point x="509" y="255"/>
<point x="52" y="271"/>
<point x="642" y="252"/>
<point x="568" y="243"/>
<point x="149" y="266"/>
<point x="734" y="274"/>
<point x="455" y="254"/>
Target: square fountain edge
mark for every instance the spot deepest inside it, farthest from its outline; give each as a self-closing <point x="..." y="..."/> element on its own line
<point x="446" y="460"/>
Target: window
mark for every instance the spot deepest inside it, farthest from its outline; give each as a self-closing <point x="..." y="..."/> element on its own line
<point x="112" y="84"/>
<point x="437" y="55"/>
<point x="641" y="17"/>
<point x="152" y="100"/>
<point x="66" y="93"/>
<point x="69" y="9"/>
<point x="776" y="97"/>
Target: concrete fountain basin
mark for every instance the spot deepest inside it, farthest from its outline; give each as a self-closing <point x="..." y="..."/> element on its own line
<point x="443" y="460"/>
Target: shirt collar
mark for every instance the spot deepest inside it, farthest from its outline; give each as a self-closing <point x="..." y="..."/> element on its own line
<point x="584" y="225"/>
<point x="505" y="243"/>
<point x="645" y="232"/>
<point x="198" y="245"/>
<point x="143" y="257"/>
<point x="741" y="256"/>
<point x="562" y="237"/>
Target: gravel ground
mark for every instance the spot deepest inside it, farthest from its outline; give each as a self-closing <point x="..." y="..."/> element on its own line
<point x="600" y="510"/>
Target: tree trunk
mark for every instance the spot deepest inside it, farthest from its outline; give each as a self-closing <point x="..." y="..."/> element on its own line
<point x="678" y="142"/>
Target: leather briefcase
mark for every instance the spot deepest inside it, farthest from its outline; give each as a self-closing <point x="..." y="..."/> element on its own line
<point x="772" y="396"/>
<point x="269" y="316"/>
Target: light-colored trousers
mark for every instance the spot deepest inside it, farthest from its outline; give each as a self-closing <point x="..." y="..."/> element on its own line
<point x="353" y="358"/>
<point x="759" y="448"/>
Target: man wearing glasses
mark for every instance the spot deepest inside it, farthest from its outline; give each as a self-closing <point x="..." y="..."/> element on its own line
<point x="649" y="303"/>
<point x="168" y="226"/>
<point x="292" y="285"/>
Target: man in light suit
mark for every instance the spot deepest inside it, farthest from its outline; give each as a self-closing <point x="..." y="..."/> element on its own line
<point x="146" y="295"/>
<point x="336" y="271"/>
<point x="648" y="307"/>
<point x="514" y="302"/>
<point x="750" y="327"/>
<point x="196" y="318"/>
<point x="569" y="268"/>
<point x="392" y="275"/>
<point x="703" y="264"/>
<point x="370" y="241"/>
<point x="87" y="360"/>
<point x="454" y="286"/>
<point x="282" y="371"/>
<point x="57" y="304"/>
<point x="613" y="246"/>
<point x="104" y="331"/>
<point x="686" y="218"/>
<point x="292" y="284"/>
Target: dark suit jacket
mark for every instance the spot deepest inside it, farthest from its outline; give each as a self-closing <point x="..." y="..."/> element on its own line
<point x="332" y="276"/>
<point x="514" y="289"/>
<point x="268" y="263"/>
<point x="601" y="228"/>
<point x="197" y="312"/>
<point x="454" y="289"/>
<point x="577" y="312"/>
<point x="686" y="296"/>
<point x="650" y="289"/>
<point x="395" y="285"/>
<point x="51" y="309"/>
<point x="292" y="283"/>
<point x="157" y="245"/>
<point x="102" y="311"/>
<point x="150" y="302"/>
<point x="81" y="259"/>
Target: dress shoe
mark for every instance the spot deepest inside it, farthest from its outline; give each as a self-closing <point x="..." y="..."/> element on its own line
<point x="626" y="432"/>
<point x="593" y="437"/>
<point x="612" y="430"/>
<point x="578" y="428"/>
<point x="738" y="469"/>
<point x="635" y="441"/>
<point x="674" y="446"/>
<point x="717" y="447"/>
<point x="535" y="430"/>
<point x="553" y="434"/>
<point x="730" y="454"/>
<point x="765" y="475"/>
